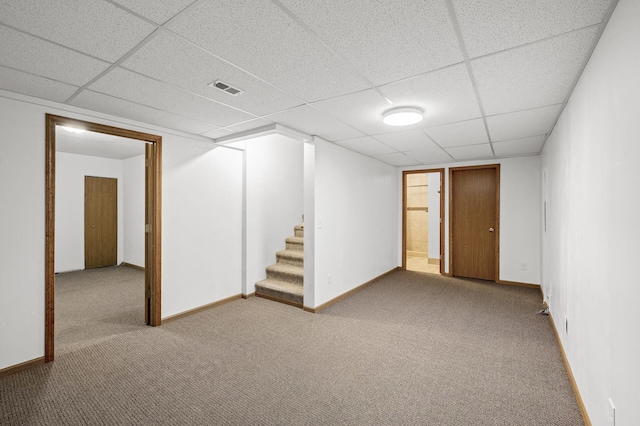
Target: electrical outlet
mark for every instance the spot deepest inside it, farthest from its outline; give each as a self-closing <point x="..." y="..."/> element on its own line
<point x="523" y="266"/>
<point x="612" y="413"/>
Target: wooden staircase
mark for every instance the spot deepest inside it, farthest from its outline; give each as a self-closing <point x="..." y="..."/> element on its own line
<point x="285" y="278"/>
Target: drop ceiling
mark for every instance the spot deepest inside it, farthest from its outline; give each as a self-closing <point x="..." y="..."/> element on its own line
<point x="491" y="75"/>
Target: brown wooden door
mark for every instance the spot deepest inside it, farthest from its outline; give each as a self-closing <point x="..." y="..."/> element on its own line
<point x="100" y="222"/>
<point x="474" y="222"/>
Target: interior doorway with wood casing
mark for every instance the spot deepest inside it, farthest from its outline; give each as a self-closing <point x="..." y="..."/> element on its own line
<point x="422" y="220"/>
<point x="100" y="222"/>
<point x="152" y="220"/>
<point x="474" y="225"/>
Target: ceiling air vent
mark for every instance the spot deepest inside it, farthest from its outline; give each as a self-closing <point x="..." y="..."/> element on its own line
<point x="226" y="88"/>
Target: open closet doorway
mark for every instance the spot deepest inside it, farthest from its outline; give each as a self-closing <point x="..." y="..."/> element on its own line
<point x="422" y="220"/>
<point x="80" y="160"/>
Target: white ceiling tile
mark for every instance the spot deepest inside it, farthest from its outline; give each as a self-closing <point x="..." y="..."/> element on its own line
<point x="397" y="159"/>
<point x="538" y="74"/>
<point x="33" y="85"/>
<point x="471" y="152"/>
<point x="217" y="133"/>
<point x="314" y="122"/>
<point x="492" y="25"/>
<point x="471" y="132"/>
<point x="430" y="156"/>
<point x="407" y="140"/>
<point x="366" y="145"/>
<point x="262" y="39"/>
<point x="445" y="95"/>
<point x="93" y="27"/>
<point x="522" y="124"/>
<point x="36" y="56"/>
<point x="159" y="11"/>
<point x="121" y="108"/>
<point x="532" y="145"/>
<point x="384" y="41"/>
<point x="362" y="110"/>
<point x="248" y="125"/>
<point x="139" y="89"/>
<point x="168" y="57"/>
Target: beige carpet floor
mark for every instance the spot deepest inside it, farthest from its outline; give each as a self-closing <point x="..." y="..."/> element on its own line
<point x="411" y="349"/>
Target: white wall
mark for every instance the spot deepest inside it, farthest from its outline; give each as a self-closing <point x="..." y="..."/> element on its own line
<point x="274" y="200"/>
<point x="201" y="224"/>
<point x="71" y="170"/>
<point x="355" y="220"/>
<point x="591" y="242"/>
<point x="21" y="232"/>
<point x="202" y="229"/>
<point x="433" y="215"/>
<point x="133" y="215"/>
<point x="520" y="217"/>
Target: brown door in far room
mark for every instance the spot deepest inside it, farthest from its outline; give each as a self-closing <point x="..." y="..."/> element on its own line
<point x="100" y="222"/>
<point x="475" y="222"/>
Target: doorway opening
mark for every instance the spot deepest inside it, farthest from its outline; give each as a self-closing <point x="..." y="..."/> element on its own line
<point x="152" y="218"/>
<point x="422" y="220"/>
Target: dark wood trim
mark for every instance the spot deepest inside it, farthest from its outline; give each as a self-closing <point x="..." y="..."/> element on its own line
<point x="200" y="308"/>
<point x="154" y="218"/>
<point x="49" y="240"/>
<point x="497" y="278"/>
<point x="572" y="380"/>
<point x="51" y="121"/>
<point x="278" y="299"/>
<point x="451" y="207"/>
<point x="404" y="214"/>
<point x="350" y="292"/>
<point x="248" y="296"/>
<point x="442" y="189"/>
<point x="404" y="219"/>
<point x="7" y="371"/>
<point x="131" y="265"/>
<point x="518" y="284"/>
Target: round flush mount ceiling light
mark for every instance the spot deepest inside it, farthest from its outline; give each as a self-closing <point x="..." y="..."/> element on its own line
<point x="402" y="116"/>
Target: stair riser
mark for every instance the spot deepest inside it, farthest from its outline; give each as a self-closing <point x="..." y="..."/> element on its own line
<point x="295" y="246"/>
<point x="290" y="261"/>
<point x="289" y="278"/>
<point x="299" y="233"/>
<point x="268" y="292"/>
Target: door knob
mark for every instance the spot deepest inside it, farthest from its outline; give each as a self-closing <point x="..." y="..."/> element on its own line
<point x="491" y="230"/>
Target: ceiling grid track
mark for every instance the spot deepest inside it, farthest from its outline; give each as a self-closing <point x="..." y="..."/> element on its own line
<point x="113" y="66"/>
<point x="467" y="62"/>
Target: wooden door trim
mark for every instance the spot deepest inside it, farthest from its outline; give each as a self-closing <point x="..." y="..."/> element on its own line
<point x="51" y="121"/>
<point x="404" y="214"/>
<point x="451" y="207"/>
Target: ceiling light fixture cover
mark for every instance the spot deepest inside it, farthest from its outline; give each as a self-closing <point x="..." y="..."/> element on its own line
<point x="402" y="116"/>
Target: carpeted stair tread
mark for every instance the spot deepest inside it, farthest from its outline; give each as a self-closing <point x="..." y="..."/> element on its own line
<point x="282" y="286"/>
<point x="290" y="257"/>
<point x="285" y="279"/>
<point x="295" y="243"/>
<point x="284" y="272"/>
<point x="281" y="291"/>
